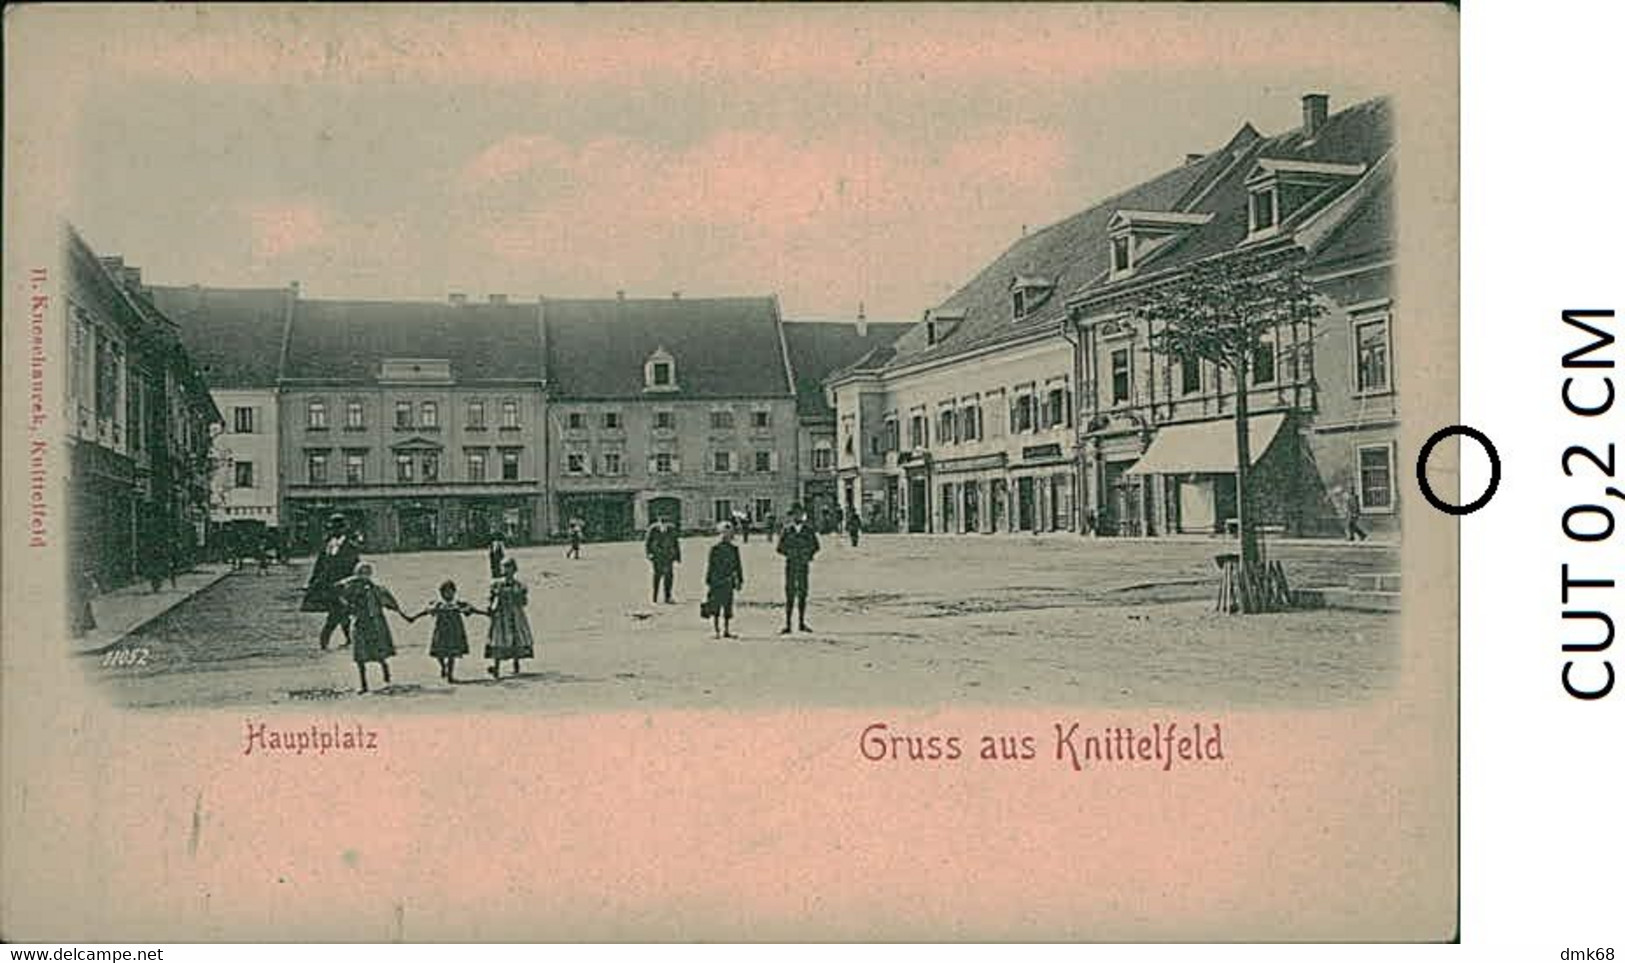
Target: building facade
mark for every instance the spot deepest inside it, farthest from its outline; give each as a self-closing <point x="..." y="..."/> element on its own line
<point x="139" y="421"/>
<point x="817" y="349"/>
<point x="235" y="337"/>
<point x="673" y="406"/>
<point x="422" y="423"/>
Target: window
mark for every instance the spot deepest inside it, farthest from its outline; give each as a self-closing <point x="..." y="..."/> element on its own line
<point x="722" y="420"/>
<point x="761" y="418"/>
<point x="1122" y="255"/>
<point x="355" y="416"/>
<point x="660" y="374"/>
<point x="354" y="468"/>
<point x="403" y="467"/>
<point x="476" y="466"/>
<point x="947" y="430"/>
<point x="316" y="467"/>
<point x="316" y="414"/>
<point x="429" y="415"/>
<point x="431" y="466"/>
<point x="1264" y="362"/>
<point x="575" y="463"/>
<point x="823" y="458"/>
<point x="1371" y="355"/>
<point x="1376" y="478"/>
<point x="1018" y="303"/>
<point x="1120" y="376"/>
<point x="665" y="464"/>
<point x="476" y="415"/>
<point x="970" y="422"/>
<point x="1263" y="210"/>
<point x="1060" y="408"/>
<point x="764" y="461"/>
<point x="612" y="421"/>
<point x="243" y="474"/>
<point x="722" y="510"/>
<point x="612" y="463"/>
<point x="510" y="464"/>
<point x="1190" y="375"/>
<point x="722" y="462"/>
<point x="242" y="420"/>
<point x="576" y="421"/>
<point x="510" y="413"/>
<point x="764" y="508"/>
<point x="893" y="435"/>
<point x="403" y="414"/>
<point x="665" y="421"/>
<point x="1022" y="417"/>
<point x="916" y="432"/>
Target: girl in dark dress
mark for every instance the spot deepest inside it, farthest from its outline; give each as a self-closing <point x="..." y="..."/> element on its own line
<point x="370" y="637"/>
<point x="724" y="575"/>
<point x="450" y="639"/>
<point x="510" y="629"/>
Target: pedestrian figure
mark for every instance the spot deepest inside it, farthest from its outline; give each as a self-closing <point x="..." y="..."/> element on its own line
<point x="798" y="544"/>
<point x="84" y="588"/>
<point x="1351" y="517"/>
<point x="770" y="524"/>
<point x="854" y="525"/>
<point x="577" y="530"/>
<point x="339" y="556"/>
<point x="496" y="553"/>
<point x="450" y="639"/>
<point x="724" y="575"/>
<point x="663" y="550"/>
<point x="510" y="636"/>
<point x="366" y="602"/>
<point x="742" y="526"/>
<point x="155" y="562"/>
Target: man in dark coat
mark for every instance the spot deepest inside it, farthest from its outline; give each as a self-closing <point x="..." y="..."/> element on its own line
<point x="496" y="553"/>
<point x="798" y="544"/>
<point x="854" y="525"/>
<point x="337" y="560"/>
<point x="663" y="550"/>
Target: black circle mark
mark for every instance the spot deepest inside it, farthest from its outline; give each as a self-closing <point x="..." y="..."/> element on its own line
<point x="1422" y="470"/>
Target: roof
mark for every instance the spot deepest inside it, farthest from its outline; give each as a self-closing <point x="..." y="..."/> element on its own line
<point x="233" y="335"/>
<point x="1209" y="195"/>
<point x="349" y="340"/>
<point x="1068" y="253"/>
<point x="722" y="347"/>
<point x="1367" y="230"/>
<point x="819" y="348"/>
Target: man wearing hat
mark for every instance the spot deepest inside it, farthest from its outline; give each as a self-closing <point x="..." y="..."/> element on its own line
<point x="663" y="550"/>
<point x="340" y="554"/>
<point x="798" y="544"/>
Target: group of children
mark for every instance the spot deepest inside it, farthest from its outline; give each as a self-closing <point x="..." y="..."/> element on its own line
<point x="364" y="602"/>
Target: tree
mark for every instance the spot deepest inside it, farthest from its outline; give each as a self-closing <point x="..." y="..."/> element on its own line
<point x="1220" y="311"/>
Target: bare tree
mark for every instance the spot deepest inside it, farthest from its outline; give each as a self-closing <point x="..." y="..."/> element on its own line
<point x="1220" y="311"/>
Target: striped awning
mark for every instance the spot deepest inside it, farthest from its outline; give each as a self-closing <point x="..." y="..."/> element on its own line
<point x="1205" y="447"/>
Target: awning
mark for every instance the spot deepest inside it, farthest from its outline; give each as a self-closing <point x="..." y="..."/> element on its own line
<point x="1205" y="447"/>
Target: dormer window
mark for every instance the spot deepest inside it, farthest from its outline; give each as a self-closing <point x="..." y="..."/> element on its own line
<point x="1027" y="293"/>
<point x="1137" y="236"/>
<point x="660" y="371"/>
<point x="1278" y="189"/>
<point x="940" y="322"/>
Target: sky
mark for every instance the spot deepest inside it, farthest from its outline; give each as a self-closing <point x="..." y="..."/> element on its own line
<point x="874" y="155"/>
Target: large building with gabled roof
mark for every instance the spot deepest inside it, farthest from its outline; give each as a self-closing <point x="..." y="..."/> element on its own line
<point x="1027" y="400"/>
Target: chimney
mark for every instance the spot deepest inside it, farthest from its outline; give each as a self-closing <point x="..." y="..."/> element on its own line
<point x="1193" y="158"/>
<point x="863" y="322"/>
<point x="620" y="295"/>
<point x="677" y="295"/>
<point x="114" y="265"/>
<point x="458" y="298"/>
<point x="499" y="299"/>
<point x="132" y="278"/>
<point x="1314" y="113"/>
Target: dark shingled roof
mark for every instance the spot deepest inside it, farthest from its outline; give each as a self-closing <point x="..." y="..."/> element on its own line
<point x="234" y="335"/>
<point x="349" y="340"/>
<point x="1368" y="229"/>
<point x="723" y="347"/>
<point x="818" y="349"/>
<point x="1068" y="254"/>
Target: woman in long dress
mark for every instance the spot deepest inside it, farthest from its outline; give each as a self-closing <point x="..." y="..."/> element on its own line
<point x="370" y="638"/>
<point x="510" y="628"/>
